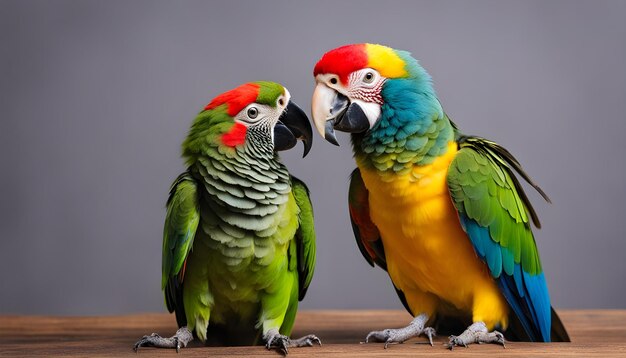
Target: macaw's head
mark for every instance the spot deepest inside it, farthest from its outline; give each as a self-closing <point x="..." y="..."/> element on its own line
<point x="258" y="117"/>
<point x="371" y="88"/>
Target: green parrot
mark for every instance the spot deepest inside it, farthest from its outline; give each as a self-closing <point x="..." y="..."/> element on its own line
<point x="443" y="213"/>
<point x="239" y="240"/>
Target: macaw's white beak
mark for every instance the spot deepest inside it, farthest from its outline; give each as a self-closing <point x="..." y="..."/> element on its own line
<point x="332" y="110"/>
<point x="322" y="109"/>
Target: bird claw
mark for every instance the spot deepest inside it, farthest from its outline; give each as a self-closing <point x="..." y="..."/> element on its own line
<point x="180" y="340"/>
<point x="430" y="333"/>
<point x="476" y="333"/>
<point x="283" y="343"/>
<point x="399" y="335"/>
<point x="455" y="341"/>
<point x="307" y="341"/>
<point x="280" y="342"/>
<point x="379" y="336"/>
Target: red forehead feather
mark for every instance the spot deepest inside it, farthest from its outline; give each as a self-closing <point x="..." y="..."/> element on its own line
<point x="342" y="61"/>
<point x="236" y="99"/>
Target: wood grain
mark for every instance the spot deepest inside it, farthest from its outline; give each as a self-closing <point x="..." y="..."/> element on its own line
<point x="599" y="333"/>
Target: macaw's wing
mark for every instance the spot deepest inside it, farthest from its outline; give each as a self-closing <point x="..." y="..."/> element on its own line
<point x="305" y="236"/>
<point x="181" y="222"/>
<point x="495" y="213"/>
<point x="365" y="231"/>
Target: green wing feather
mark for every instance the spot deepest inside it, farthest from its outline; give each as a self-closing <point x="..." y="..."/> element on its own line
<point x="305" y="236"/>
<point x="496" y="214"/>
<point x="181" y="222"/>
<point x="483" y="189"/>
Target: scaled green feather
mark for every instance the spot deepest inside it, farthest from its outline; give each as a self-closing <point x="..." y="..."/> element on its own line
<point x="305" y="236"/>
<point x="181" y="222"/>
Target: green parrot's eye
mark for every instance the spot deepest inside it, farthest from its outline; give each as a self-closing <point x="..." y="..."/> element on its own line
<point x="368" y="78"/>
<point x="253" y="112"/>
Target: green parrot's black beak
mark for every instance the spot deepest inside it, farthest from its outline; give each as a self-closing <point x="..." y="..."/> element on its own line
<point x="292" y="125"/>
<point x="346" y="117"/>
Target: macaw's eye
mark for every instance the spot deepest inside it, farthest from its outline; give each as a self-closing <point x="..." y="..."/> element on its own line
<point x="253" y="112"/>
<point x="333" y="80"/>
<point x="368" y="78"/>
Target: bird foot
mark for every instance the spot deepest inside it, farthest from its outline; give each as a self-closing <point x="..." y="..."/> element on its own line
<point x="476" y="333"/>
<point x="180" y="340"/>
<point x="399" y="335"/>
<point x="274" y="339"/>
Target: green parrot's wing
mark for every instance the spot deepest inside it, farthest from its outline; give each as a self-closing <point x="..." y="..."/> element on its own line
<point x="305" y="236"/>
<point x="181" y="222"/>
<point x="495" y="213"/>
<point x="365" y="231"/>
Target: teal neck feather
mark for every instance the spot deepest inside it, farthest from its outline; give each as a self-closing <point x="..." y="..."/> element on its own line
<point x="412" y="128"/>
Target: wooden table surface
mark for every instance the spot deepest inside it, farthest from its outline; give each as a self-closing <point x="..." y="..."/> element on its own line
<point x="599" y="333"/>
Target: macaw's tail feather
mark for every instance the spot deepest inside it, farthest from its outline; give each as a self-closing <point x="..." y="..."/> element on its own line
<point x="558" y="332"/>
<point x="516" y="331"/>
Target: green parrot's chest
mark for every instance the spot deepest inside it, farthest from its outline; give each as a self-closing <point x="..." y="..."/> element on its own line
<point x="240" y="266"/>
<point x="242" y="274"/>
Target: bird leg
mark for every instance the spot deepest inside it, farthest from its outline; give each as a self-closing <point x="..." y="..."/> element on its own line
<point x="274" y="339"/>
<point x="399" y="335"/>
<point x="180" y="340"/>
<point x="476" y="333"/>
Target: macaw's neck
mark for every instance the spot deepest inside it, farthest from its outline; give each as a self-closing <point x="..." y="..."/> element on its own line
<point x="412" y="131"/>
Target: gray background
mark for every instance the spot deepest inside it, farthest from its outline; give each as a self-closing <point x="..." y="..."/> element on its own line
<point x="96" y="97"/>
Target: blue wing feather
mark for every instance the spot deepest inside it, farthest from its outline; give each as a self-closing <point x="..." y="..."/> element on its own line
<point x="496" y="215"/>
<point x="526" y="294"/>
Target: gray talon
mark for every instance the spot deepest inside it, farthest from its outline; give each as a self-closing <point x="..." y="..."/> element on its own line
<point x="476" y="333"/>
<point x="394" y="336"/>
<point x="430" y="333"/>
<point x="180" y="340"/>
<point x="276" y="340"/>
<point x="308" y="341"/>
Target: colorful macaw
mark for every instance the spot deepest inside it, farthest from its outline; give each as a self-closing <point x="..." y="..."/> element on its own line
<point x="443" y="213"/>
<point x="239" y="241"/>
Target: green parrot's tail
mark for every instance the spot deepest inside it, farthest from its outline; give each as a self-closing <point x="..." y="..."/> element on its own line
<point x="174" y="299"/>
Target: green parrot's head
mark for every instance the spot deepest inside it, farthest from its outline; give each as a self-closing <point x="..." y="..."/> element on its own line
<point x="256" y="115"/>
<point x="372" y="89"/>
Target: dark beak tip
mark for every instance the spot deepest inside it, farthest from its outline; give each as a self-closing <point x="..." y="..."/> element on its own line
<point x="329" y="132"/>
<point x="307" y="147"/>
<point x="298" y="124"/>
<point x="334" y="142"/>
<point x="308" y="143"/>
